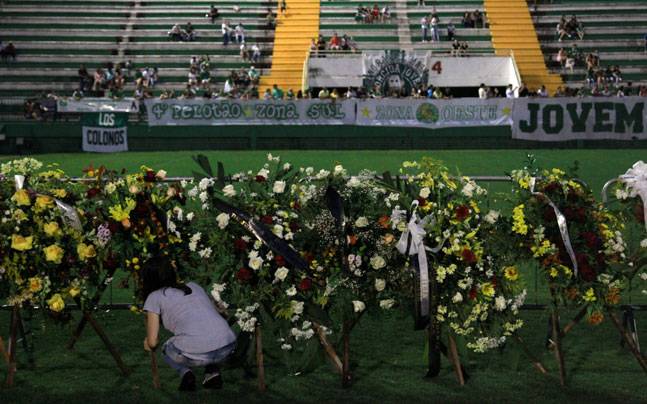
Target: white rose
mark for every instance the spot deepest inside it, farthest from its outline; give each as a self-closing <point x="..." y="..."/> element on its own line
<point x="161" y="174"/>
<point x="358" y="306"/>
<point x="643" y="243"/>
<point x="278" y="230"/>
<point x="297" y="307"/>
<point x="424" y="192"/>
<point x="309" y="170"/>
<point x="229" y="191"/>
<point x="255" y="263"/>
<point x="380" y="284"/>
<point x="492" y="216"/>
<point x="281" y="273"/>
<point x="361" y="222"/>
<point x="133" y="189"/>
<point x="204" y="183"/>
<point x="263" y="172"/>
<point x="287" y="167"/>
<point x="223" y="220"/>
<point x="377" y="262"/>
<point x="387" y="303"/>
<point x="110" y="187"/>
<point x="353" y="182"/>
<point x="457" y="298"/>
<point x="500" y="303"/>
<point x="279" y="187"/>
<point x="292" y="291"/>
<point x="339" y="170"/>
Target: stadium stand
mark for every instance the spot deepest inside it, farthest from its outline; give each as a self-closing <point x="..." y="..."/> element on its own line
<point x="615" y="30"/>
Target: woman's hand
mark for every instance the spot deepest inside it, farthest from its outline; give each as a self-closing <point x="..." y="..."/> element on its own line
<point x="146" y="346"/>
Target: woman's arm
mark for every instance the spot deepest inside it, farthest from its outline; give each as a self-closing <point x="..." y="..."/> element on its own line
<point x="152" y="331"/>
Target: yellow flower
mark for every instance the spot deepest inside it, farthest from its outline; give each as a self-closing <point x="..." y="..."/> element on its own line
<point x="19" y="215"/>
<point x="51" y="229"/>
<point x="511" y="273"/>
<point x="53" y="253"/>
<point x="35" y="284"/>
<point x="56" y="303"/>
<point x="21" y="243"/>
<point x="85" y="251"/>
<point x="21" y="197"/>
<point x="74" y="291"/>
<point x="589" y="295"/>
<point x="554" y="272"/>
<point x="487" y="289"/>
<point x="59" y="193"/>
<point x="120" y="213"/>
<point x="43" y="202"/>
<point x="519" y="224"/>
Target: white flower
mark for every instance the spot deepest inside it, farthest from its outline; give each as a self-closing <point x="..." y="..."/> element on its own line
<point x="133" y="189"/>
<point x="457" y="298"/>
<point x="424" y="192"/>
<point x="193" y="246"/>
<point x="281" y="273"/>
<point x="377" y="262"/>
<point x="492" y="216"/>
<point x="189" y="216"/>
<point x="204" y="184"/>
<point x="255" y="263"/>
<point x="643" y="243"/>
<point x="643" y="276"/>
<point x="196" y="237"/>
<point x="193" y="192"/>
<point x="278" y="230"/>
<point x="229" y="191"/>
<point x="287" y="167"/>
<point x="161" y="174"/>
<point x="468" y="189"/>
<point x="286" y="347"/>
<point x="203" y="196"/>
<point x="500" y="303"/>
<point x="622" y="194"/>
<point x="322" y="174"/>
<point x="361" y="221"/>
<point x="309" y="170"/>
<point x="353" y="182"/>
<point x="223" y="220"/>
<point x="263" y="172"/>
<point x="205" y="253"/>
<point x="339" y="170"/>
<point x="380" y="284"/>
<point x="110" y="187"/>
<point x="358" y="306"/>
<point x="292" y="291"/>
<point x="387" y="303"/>
<point x="279" y="187"/>
<point x="297" y="307"/>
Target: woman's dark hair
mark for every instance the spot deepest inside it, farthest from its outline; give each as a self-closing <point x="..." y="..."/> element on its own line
<point x="158" y="273"/>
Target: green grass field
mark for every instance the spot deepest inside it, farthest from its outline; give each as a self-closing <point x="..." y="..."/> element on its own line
<point x="388" y="356"/>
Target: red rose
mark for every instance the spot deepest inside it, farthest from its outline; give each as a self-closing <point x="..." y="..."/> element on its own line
<point x="280" y="261"/>
<point x="553" y="186"/>
<point x="305" y="284"/>
<point x="244" y="274"/>
<point x="461" y="212"/>
<point x="149" y="176"/>
<point x="468" y="256"/>
<point x="92" y="192"/>
<point x="113" y="227"/>
<point x="267" y="219"/>
<point x="587" y="273"/>
<point x="549" y="214"/>
<point x="422" y="201"/>
<point x="592" y="241"/>
<point x="472" y="293"/>
<point x="240" y="244"/>
<point x="260" y="178"/>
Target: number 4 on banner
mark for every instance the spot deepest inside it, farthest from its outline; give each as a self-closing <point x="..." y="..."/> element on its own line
<point x="437" y="67"/>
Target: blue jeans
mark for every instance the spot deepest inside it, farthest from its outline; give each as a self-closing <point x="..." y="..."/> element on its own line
<point x="182" y="364"/>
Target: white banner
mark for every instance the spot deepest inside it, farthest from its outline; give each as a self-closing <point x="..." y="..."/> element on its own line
<point x="559" y="119"/>
<point x="200" y="112"/>
<point x="434" y="113"/>
<point x="97" y="105"/>
<point x="105" y="140"/>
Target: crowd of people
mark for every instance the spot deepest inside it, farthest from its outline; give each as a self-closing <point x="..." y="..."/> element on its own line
<point x="335" y="43"/>
<point x="112" y="78"/>
<point x="370" y="15"/>
<point x="187" y="34"/>
<point x="569" y="28"/>
<point x="430" y="25"/>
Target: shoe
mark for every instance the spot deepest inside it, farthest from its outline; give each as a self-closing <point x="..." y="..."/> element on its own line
<point x="188" y="382"/>
<point x="212" y="381"/>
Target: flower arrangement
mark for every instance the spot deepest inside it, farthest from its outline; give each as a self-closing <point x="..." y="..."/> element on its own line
<point x="479" y="290"/>
<point x="582" y="260"/>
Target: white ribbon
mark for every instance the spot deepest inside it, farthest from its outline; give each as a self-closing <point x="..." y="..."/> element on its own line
<point x="413" y="238"/>
<point x="561" y="224"/>
<point x="635" y="179"/>
<point x="69" y="214"/>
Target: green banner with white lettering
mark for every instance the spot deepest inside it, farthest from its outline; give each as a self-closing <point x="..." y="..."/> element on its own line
<point x="105" y="132"/>
<point x="559" y="119"/>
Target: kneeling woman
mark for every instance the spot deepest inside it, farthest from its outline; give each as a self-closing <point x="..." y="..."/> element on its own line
<point x="201" y="337"/>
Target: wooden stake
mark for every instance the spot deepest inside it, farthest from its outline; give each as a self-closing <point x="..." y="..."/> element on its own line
<point x="106" y="341"/>
<point x="3" y="351"/>
<point x="259" y="358"/>
<point x="12" y="346"/>
<point x="330" y="351"/>
<point x="456" y="360"/>
<point x="628" y="340"/>
<point x="557" y="341"/>
<point x="433" y="354"/>
<point x="580" y="315"/>
<point x="346" y="377"/>
<point x="535" y="362"/>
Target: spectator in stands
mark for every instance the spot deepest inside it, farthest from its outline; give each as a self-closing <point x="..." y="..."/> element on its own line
<point x="84" y="78"/>
<point x="240" y="33"/>
<point x="467" y="20"/>
<point x="451" y="31"/>
<point x="523" y="90"/>
<point x="253" y="75"/>
<point x="119" y="81"/>
<point x="438" y="94"/>
<point x="559" y="92"/>
<point x="8" y="52"/>
<point x="98" y="80"/>
<point x="362" y="14"/>
<point x="375" y="13"/>
<point x="256" y="53"/>
<point x="645" y="39"/>
<point x="213" y="14"/>
<point x="561" y="57"/>
<point x="510" y="91"/>
<point x="277" y="93"/>
<point x="229" y="87"/>
<point x="269" y="19"/>
<point x="464" y="48"/>
<point x="421" y="3"/>
<point x="268" y="95"/>
<point x="616" y="74"/>
<point x="321" y="43"/>
<point x="284" y="7"/>
<point x="542" y="92"/>
<point x="193" y="77"/>
<point x="456" y="48"/>
<point x="424" y="25"/>
<point x="351" y="93"/>
<point x="385" y="13"/>
<point x="621" y="92"/>
<point x="175" y="33"/>
<point x="335" y="42"/>
<point x="313" y="46"/>
<point x="643" y="91"/>
<point x="289" y="95"/>
<point x="334" y="94"/>
<point x="225" y="29"/>
<point x="483" y="91"/>
<point x="477" y="17"/>
<point x="205" y="78"/>
<point x="244" y="53"/>
<point x="324" y="94"/>
<point x="435" y="29"/>
<point x="189" y="32"/>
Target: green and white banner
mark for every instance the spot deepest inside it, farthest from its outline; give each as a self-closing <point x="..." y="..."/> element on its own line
<point x="97" y="105"/>
<point x="559" y="119"/>
<point x="253" y="112"/>
<point x="434" y="113"/>
<point x="105" y="132"/>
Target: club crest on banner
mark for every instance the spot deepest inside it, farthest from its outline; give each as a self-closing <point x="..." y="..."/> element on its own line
<point x="394" y="72"/>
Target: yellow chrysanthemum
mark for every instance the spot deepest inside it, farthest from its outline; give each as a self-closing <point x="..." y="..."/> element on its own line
<point x="85" y="251"/>
<point x="487" y="289"/>
<point x="511" y="273"/>
<point x="59" y="193"/>
<point x="21" y="197"/>
<point x="53" y="253"/>
<point x="43" y="202"/>
<point x="519" y="225"/>
<point x="35" y="284"/>
<point x="589" y="295"/>
<point x="51" y="229"/>
<point x="21" y="243"/>
<point x="56" y="303"/>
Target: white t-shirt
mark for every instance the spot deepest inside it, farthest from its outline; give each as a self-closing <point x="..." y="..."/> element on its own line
<point x="482" y="93"/>
<point x="509" y="93"/>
